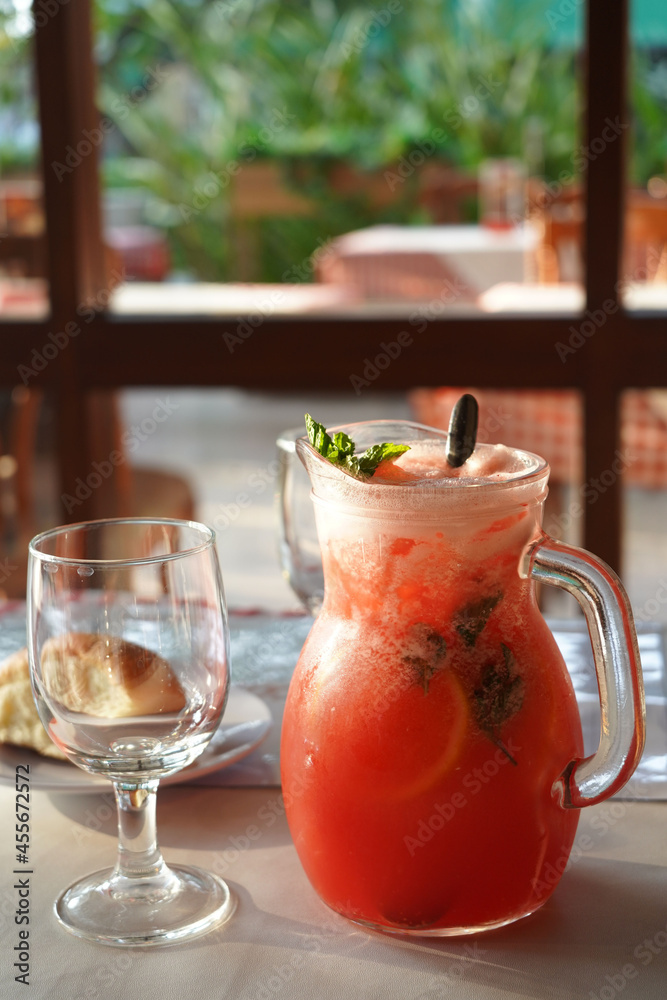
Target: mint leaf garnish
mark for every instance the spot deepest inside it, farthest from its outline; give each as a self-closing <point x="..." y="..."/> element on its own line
<point x="499" y="697"/>
<point x="319" y="438"/>
<point x="431" y="649"/>
<point x="471" y="620"/>
<point x="340" y="450"/>
<point x="371" y="458"/>
<point x="344" y="443"/>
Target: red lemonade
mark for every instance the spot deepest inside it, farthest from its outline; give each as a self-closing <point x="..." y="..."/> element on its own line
<point x="431" y="714"/>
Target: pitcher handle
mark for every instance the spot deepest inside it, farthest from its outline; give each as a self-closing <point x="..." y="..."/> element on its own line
<point x="613" y="638"/>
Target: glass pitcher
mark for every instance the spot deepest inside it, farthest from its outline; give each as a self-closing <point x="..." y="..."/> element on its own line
<point x="432" y="754"/>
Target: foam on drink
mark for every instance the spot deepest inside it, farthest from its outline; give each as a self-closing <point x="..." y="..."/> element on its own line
<point x="427" y="462"/>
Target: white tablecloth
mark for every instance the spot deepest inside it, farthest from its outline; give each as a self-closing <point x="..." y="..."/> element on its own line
<point x="606" y="923"/>
<point x="478" y="256"/>
<point x="602" y="934"/>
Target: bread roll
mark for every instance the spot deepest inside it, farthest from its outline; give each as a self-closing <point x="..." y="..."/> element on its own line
<point x="19" y="722"/>
<point x="108" y="677"/>
<point x="101" y="676"/>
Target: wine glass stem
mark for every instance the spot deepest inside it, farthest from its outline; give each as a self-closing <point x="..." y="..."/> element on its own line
<point x="139" y="856"/>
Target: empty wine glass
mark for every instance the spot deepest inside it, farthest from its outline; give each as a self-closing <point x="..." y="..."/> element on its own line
<point x="299" y="548"/>
<point x="129" y="657"/>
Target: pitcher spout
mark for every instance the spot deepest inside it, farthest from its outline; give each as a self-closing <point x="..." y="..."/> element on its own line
<point x="421" y="478"/>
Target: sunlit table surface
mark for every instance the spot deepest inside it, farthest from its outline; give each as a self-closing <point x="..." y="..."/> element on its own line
<point x="602" y="934"/>
<point x="567" y="298"/>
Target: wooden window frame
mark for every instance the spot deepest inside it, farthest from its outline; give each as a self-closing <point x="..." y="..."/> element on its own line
<point x="285" y="353"/>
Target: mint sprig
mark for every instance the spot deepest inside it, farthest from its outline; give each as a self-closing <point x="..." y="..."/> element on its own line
<point x="340" y="450"/>
<point x="470" y="621"/>
<point x="499" y="697"/>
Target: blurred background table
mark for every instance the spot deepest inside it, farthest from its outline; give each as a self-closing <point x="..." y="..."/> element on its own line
<point x="415" y="262"/>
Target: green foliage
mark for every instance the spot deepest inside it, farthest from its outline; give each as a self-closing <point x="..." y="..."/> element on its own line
<point x="648" y="150"/>
<point x="18" y="129"/>
<point x="195" y="86"/>
<point x="309" y="82"/>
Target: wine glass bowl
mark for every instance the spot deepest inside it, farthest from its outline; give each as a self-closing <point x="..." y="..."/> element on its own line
<point x="129" y="655"/>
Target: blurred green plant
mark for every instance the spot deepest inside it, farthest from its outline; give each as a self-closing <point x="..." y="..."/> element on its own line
<point x="365" y="84"/>
<point x="194" y="87"/>
<point x="19" y="133"/>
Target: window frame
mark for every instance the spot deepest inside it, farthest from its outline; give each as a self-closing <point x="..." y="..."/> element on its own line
<point x="284" y="354"/>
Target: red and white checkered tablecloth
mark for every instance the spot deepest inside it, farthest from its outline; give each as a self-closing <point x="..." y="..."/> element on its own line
<point x="644" y="437"/>
<point x="440" y="263"/>
<point x="405" y="276"/>
<point x="550" y="424"/>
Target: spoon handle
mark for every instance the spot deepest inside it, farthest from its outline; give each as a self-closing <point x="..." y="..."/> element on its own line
<point x="462" y="430"/>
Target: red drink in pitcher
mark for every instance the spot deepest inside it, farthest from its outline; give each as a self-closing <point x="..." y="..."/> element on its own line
<point x="431" y="728"/>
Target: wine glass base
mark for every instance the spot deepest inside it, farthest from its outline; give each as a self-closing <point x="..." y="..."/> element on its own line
<point x="183" y="903"/>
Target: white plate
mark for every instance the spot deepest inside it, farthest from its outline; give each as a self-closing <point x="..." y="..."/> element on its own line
<point x="246" y="722"/>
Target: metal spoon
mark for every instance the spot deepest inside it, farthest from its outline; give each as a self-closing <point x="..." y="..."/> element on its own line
<point x="462" y="430"/>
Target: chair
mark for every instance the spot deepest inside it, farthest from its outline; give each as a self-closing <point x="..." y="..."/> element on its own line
<point x="130" y="491"/>
<point x="560" y="219"/>
<point x="646" y="238"/>
<point x="446" y="193"/>
<point x="259" y="191"/>
<point x="560" y="257"/>
<point x="117" y="488"/>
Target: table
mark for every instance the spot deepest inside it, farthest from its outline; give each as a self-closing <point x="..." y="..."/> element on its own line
<point x="602" y="934"/>
<point x="283" y="942"/>
<point x="566" y="298"/>
<point x="424" y="262"/>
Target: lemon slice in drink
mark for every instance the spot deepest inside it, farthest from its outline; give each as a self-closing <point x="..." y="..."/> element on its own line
<point x="411" y="740"/>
